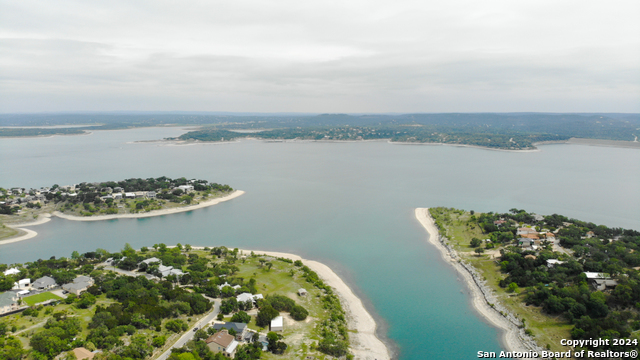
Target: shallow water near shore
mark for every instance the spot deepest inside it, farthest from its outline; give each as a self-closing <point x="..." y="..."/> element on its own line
<point x="348" y="205"/>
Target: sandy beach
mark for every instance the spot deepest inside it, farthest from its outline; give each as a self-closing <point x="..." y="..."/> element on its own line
<point x="201" y="205"/>
<point x="26" y="234"/>
<point x="364" y="343"/>
<point x="513" y="337"/>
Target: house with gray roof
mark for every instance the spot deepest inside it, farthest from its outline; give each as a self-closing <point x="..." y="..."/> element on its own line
<point x="79" y="285"/>
<point x="44" y="283"/>
<point x="239" y="328"/>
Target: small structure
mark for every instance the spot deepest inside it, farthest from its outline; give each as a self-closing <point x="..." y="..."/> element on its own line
<point x="44" y="283"/>
<point x="603" y="284"/>
<point x="302" y="292"/>
<point x="82" y="353"/>
<point x="553" y="262"/>
<point x="79" y="285"/>
<point x="530" y="257"/>
<point x="277" y="324"/>
<point x="22" y="284"/>
<point x="8" y="302"/>
<point x="222" y="342"/>
<point x="239" y="328"/>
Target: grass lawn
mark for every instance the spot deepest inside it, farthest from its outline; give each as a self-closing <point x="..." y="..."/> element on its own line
<point x="32" y="300"/>
<point x="546" y="329"/>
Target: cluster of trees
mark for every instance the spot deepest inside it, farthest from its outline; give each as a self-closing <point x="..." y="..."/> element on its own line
<point x="563" y="288"/>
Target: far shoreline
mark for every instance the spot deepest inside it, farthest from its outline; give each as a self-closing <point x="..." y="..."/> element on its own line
<point x="47" y="217"/>
<point x="512" y="337"/>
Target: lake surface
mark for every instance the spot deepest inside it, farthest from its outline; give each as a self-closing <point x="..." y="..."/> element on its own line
<point x="349" y="205"/>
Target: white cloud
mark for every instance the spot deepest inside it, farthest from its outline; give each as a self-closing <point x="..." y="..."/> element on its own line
<point x="356" y="56"/>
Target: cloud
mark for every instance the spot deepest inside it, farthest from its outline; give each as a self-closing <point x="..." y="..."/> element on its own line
<point x="319" y="56"/>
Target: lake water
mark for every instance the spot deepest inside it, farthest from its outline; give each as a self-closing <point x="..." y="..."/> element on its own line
<point x="349" y="205"/>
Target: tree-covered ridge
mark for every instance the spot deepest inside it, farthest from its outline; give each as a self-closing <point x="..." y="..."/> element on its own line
<point x="583" y="272"/>
<point x="496" y="130"/>
<point x="111" y="197"/>
<point x="413" y="134"/>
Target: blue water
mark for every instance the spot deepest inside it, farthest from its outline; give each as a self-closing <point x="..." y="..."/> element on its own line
<point x="349" y="205"/>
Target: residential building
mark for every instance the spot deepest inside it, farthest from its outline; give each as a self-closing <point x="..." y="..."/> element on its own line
<point x="82" y="353"/>
<point x="79" y="285"/>
<point x="22" y="284"/>
<point x="44" y="283"/>
<point x="240" y="328"/>
<point x="12" y="271"/>
<point x="8" y="302"/>
<point x="222" y="342"/>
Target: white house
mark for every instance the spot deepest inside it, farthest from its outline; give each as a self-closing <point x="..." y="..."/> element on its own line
<point x="11" y="271"/>
<point x="22" y="284"/>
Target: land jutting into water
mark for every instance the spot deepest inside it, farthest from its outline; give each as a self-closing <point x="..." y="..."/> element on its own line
<point x="152" y="302"/>
<point x="504" y="131"/>
<point x="541" y="279"/>
<point x="131" y="198"/>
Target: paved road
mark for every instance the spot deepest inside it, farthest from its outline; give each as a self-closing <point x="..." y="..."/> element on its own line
<point x="190" y="333"/>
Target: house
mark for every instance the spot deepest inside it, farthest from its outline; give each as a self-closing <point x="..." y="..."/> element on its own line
<point x="117" y="196"/>
<point x="530" y="257"/>
<point x="537" y="217"/>
<point x="499" y="222"/>
<point x="44" y="283"/>
<point x="244" y="297"/>
<point x="151" y="194"/>
<point x="165" y="270"/>
<point x="597" y="276"/>
<point x="22" y="284"/>
<point x="553" y="262"/>
<point x="531" y="236"/>
<point x="590" y="234"/>
<point x="186" y="188"/>
<point x="151" y="260"/>
<point x="222" y="342"/>
<point x="130" y="195"/>
<point x="139" y="194"/>
<point x="302" y="292"/>
<point x="524" y="242"/>
<point x="118" y="189"/>
<point x="525" y="230"/>
<point x="82" y="353"/>
<point x="8" y="302"/>
<point x="79" y="285"/>
<point x="603" y="284"/>
<point x="277" y="324"/>
<point x="11" y="271"/>
<point x="240" y="328"/>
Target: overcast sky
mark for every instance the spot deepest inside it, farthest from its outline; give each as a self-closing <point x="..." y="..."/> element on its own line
<point x="320" y="56"/>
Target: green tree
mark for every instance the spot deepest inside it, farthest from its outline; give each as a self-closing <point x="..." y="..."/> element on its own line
<point x="241" y="317"/>
<point x="475" y="242"/>
<point x="265" y="315"/>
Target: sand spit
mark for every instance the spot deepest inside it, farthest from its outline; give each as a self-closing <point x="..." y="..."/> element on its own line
<point x="513" y="336"/>
<point x="364" y="343"/>
<point x="28" y="233"/>
<point x="201" y="205"/>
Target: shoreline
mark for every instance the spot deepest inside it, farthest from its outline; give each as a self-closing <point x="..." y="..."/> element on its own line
<point x="512" y="337"/>
<point x="152" y="213"/>
<point x="28" y="233"/>
<point x="364" y="342"/>
<point x="43" y="218"/>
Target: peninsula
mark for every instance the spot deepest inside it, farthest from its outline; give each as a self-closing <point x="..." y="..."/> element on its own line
<point x="182" y="303"/>
<point x="130" y="198"/>
<point x="541" y="279"/>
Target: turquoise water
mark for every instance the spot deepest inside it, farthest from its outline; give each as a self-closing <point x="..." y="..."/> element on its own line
<point x="349" y="205"/>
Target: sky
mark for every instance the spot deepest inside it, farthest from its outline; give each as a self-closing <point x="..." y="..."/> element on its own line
<point x="320" y="56"/>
